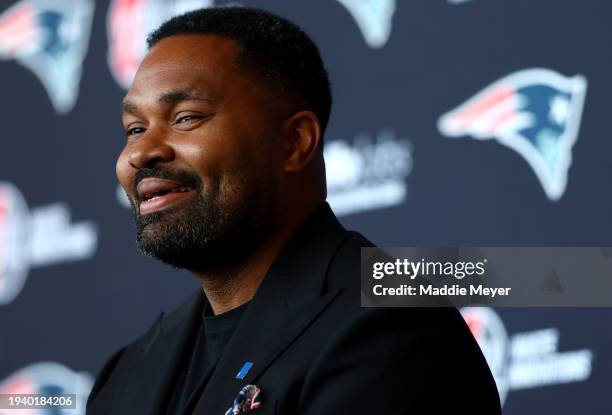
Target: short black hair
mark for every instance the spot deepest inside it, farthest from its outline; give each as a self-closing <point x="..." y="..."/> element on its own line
<point x="273" y="49"/>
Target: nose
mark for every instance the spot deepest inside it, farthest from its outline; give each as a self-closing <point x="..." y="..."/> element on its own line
<point x="151" y="149"/>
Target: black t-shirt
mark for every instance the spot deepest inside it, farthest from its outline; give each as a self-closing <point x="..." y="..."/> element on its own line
<point x="213" y="335"/>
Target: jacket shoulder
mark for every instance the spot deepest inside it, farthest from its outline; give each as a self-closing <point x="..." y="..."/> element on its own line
<point x="403" y="354"/>
<point x="117" y="365"/>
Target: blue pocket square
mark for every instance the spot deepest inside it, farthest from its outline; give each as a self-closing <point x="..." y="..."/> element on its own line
<point x="248" y="399"/>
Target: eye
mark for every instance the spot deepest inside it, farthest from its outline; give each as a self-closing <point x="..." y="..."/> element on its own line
<point x="185" y="118"/>
<point x="133" y="131"/>
<point x="188" y="122"/>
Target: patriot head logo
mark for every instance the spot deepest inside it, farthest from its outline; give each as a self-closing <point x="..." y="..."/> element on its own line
<point x="40" y="237"/>
<point x="49" y="378"/>
<point x="128" y="24"/>
<point x="50" y="38"/>
<point x="374" y="18"/>
<point x="536" y="112"/>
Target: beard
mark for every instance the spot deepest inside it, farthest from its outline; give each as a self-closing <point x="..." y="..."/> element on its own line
<point x="207" y="232"/>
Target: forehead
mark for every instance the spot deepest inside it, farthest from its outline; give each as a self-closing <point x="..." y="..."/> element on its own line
<point x="196" y="61"/>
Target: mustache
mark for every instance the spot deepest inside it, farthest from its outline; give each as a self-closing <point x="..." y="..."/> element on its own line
<point x="184" y="177"/>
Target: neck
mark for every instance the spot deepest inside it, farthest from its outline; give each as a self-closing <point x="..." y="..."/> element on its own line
<point x="232" y="287"/>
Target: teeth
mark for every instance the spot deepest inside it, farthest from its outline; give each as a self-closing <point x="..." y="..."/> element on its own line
<point x="164" y="192"/>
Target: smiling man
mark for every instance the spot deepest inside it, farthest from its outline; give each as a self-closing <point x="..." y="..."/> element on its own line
<point x="224" y="168"/>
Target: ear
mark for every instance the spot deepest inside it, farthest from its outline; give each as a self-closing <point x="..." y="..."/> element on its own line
<point x="303" y="137"/>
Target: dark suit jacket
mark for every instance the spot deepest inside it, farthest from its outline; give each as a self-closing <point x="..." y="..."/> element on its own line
<point x="315" y="350"/>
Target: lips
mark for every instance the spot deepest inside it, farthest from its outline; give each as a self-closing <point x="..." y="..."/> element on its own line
<point x="157" y="194"/>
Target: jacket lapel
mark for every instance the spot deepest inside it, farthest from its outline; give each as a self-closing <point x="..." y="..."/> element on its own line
<point x="288" y="300"/>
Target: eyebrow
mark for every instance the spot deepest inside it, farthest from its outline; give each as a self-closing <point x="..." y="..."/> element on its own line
<point x="169" y="98"/>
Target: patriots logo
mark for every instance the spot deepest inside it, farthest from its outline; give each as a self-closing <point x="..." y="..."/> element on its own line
<point x="50" y="38"/>
<point x="374" y="18"/>
<point x="37" y="237"/>
<point x="489" y="331"/>
<point x="129" y="22"/>
<point x="536" y="112"/>
<point x="14" y="242"/>
<point x="49" y="378"/>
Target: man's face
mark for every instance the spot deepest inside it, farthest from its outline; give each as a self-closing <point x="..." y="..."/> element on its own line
<point x="202" y="159"/>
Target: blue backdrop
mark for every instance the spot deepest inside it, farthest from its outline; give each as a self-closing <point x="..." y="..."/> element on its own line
<point x="474" y="122"/>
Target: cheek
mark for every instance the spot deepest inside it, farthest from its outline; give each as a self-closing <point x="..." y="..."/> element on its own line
<point x="124" y="171"/>
<point x="213" y="154"/>
<point x="254" y="179"/>
<point x="234" y="178"/>
<point x="232" y="158"/>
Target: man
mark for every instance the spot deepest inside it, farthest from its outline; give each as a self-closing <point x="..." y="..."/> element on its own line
<point x="224" y="168"/>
